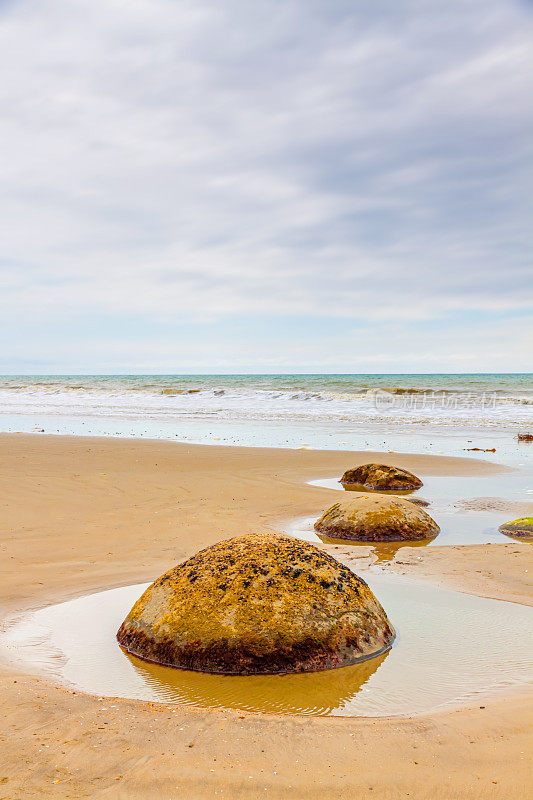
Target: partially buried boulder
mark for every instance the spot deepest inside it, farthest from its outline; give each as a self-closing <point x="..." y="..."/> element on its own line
<point x="257" y="604"/>
<point x="418" y="501"/>
<point x="518" y="527"/>
<point x="377" y="518"/>
<point x="381" y="477"/>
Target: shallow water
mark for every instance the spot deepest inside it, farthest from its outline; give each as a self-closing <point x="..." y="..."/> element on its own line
<point x="443" y="490"/>
<point x="468" y="510"/>
<point x="449" y="648"/>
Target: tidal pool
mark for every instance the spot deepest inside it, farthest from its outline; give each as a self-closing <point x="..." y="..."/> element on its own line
<point x="468" y="510"/>
<point x="450" y="648"/>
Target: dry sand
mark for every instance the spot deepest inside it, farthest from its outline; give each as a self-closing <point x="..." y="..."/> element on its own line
<point x="87" y="514"/>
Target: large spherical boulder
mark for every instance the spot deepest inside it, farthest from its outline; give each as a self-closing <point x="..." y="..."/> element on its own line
<point x="257" y="604"/>
<point x="376" y="518"/>
<point x="518" y="527"/>
<point x="381" y="478"/>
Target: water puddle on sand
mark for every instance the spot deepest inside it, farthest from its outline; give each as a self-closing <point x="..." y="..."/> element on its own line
<point x="468" y="510"/>
<point x="382" y="552"/>
<point x="449" y="648"/>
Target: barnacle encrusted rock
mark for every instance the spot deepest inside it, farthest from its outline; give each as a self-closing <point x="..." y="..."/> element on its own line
<point x="381" y="477"/>
<point x="376" y="518"/>
<point x="518" y="527"/>
<point x="261" y="603"/>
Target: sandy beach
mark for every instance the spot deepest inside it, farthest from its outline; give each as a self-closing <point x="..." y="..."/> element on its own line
<point x="260" y="261"/>
<point x="81" y="514"/>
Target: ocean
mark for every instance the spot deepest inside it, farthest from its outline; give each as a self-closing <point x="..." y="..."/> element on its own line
<point x="324" y="411"/>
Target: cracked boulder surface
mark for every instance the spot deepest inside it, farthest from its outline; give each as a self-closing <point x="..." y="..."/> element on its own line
<point x="381" y="477"/>
<point x="260" y="603"/>
<point x="376" y="518"/>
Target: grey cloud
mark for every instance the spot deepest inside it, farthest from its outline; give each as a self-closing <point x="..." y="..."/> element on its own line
<point x="283" y="157"/>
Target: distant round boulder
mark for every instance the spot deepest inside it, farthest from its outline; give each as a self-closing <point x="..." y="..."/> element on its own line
<point x="518" y="527"/>
<point x="261" y="603"/>
<point x="382" y="478"/>
<point x="376" y="518"/>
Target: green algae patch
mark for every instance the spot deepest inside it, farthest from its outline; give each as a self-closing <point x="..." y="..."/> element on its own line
<point x="261" y="603"/>
<point x="518" y="527"/>
<point x="376" y="518"/>
<point x="381" y="477"/>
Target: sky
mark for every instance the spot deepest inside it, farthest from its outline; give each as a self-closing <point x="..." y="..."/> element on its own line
<point x="271" y="186"/>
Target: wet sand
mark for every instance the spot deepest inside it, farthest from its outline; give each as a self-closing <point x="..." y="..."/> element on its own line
<point x="82" y="515"/>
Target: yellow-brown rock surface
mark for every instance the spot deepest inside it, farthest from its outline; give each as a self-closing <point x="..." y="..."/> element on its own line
<point x="376" y="518"/>
<point x="257" y="604"/>
<point x="518" y="527"/>
<point x="381" y="477"/>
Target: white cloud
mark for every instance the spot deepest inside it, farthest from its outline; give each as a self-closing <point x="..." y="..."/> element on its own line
<point x="202" y="160"/>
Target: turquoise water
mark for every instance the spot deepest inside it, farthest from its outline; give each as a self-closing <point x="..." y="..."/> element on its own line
<point x="511" y="384"/>
<point x="423" y="413"/>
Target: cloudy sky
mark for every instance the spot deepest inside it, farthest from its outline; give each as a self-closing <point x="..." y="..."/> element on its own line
<point x="266" y="185"/>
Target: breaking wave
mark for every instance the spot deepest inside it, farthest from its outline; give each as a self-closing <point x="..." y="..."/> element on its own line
<point x="480" y="399"/>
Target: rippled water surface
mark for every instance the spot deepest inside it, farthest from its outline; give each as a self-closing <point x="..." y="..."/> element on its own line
<point x="449" y="647"/>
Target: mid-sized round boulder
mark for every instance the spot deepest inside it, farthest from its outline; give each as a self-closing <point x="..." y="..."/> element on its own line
<point x="376" y="518"/>
<point x="381" y="478"/>
<point x="518" y="527"/>
<point x="261" y="603"/>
